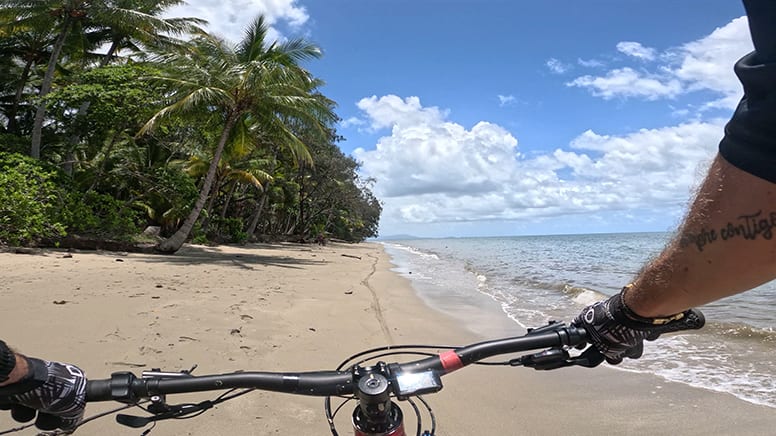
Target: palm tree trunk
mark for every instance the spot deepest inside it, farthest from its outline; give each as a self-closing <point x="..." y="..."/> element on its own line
<point x="175" y="242"/>
<point x="13" y="125"/>
<point x="209" y="208"/>
<point x="256" y="215"/>
<point x="228" y="200"/>
<point x="255" y="221"/>
<point x="45" y="88"/>
<point x="75" y="138"/>
<point x="104" y="163"/>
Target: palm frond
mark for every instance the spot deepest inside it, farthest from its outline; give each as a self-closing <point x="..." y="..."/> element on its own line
<point x="252" y="46"/>
<point x="194" y="99"/>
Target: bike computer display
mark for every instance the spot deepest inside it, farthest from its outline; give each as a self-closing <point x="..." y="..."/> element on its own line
<point x="417" y="383"/>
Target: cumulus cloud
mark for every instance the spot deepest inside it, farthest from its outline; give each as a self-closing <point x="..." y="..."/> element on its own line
<point x="636" y="50"/>
<point x="707" y="62"/>
<point x="427" y="154"/>
<point x="626" y="82"/>
<point x="352" y="121"/>
<point x="392" y="110"/>
<point x="430" y="169"/>
<point x="229" y="18"/>
<point x="704" y="64"/>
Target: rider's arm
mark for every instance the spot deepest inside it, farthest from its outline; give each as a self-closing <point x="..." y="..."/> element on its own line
<point x="52" y="393"/>
<point x="726" y="244"/>
<point x="14" y="366"/>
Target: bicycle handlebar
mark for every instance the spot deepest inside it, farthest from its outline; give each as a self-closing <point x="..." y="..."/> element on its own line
<point x="372" y="386"/>
<point x="125" y="387"/>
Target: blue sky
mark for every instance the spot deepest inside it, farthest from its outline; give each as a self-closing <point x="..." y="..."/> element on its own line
<point x="497" y="117"/>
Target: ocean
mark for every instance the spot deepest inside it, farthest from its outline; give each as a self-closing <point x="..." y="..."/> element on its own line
<point x="534" y="279"/>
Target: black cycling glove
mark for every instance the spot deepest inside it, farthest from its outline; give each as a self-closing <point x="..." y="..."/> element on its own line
<point x="55" y="391"/>
<point x="617" y="332"/>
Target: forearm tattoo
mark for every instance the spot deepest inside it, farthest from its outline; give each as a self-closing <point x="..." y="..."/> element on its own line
<point x="752" y="226"/>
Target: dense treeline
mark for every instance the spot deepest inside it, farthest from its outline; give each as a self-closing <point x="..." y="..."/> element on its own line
<point x="113" y="120"/>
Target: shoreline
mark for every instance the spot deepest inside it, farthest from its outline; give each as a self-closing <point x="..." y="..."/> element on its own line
<point x="288" y="307"/>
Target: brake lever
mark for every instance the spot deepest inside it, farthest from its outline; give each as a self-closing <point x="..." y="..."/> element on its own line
<point x="555" y="358"/>
<point x="173" y="412"/>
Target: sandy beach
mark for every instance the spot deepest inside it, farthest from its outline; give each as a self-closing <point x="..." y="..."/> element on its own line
<point x="302" y="308"/>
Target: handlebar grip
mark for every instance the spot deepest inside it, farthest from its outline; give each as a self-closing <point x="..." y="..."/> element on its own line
<point x="98" y="390"/>
<point x="693" y="319"/>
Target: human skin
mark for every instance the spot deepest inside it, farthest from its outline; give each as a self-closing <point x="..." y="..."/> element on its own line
<point x="725" y="246"/>
<point x="18" y="372"/>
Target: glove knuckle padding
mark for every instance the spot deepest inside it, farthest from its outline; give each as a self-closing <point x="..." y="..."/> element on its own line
<point x="617" y="332"/>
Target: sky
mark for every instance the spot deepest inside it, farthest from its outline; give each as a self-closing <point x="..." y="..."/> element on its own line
<point x="510" y="117"/>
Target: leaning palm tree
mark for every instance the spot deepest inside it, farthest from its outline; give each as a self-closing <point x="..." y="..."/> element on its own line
<point x="252" y="83"/>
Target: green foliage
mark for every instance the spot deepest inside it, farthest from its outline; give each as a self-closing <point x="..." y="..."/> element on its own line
<point x="28" y="201"/>
<point x="280" y="171"/>
<point x="229" y="230"/>
<point x="168" y="195"/>
<point x="118" y="99"/>
<point x="95" y="214"/>
<point x="14" y="144"/>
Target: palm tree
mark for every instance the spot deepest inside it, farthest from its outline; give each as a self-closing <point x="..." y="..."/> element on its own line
<point x="25" y="48"/>
<point x="62" y="15"/>
<point x="135" y="25"/>
<point x="252" y="83"/>
<point x="127" y="17"/>
<point x="234" y="169"/>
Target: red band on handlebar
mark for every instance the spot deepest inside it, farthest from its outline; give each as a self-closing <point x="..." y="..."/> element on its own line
<point x="450" y="361"/>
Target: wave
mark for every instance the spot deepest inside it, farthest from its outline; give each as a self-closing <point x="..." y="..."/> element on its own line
<point x="583" y="296"/>
<point x="413" y="250"/>
<point x="734" y="331"/>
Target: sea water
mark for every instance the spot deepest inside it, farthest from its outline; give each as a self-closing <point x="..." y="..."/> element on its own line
<point x="535" y="279"/>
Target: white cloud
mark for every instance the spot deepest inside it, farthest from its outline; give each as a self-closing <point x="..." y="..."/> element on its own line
<point x="626" y="82"/>
<point x="636" y="50"/>
<point x="229" y="18"/>
<point x="506" y="100"/>
<point x="704" y="64"/>
<point x="429" y="169"/>
<point x="391" y="110"/>
<point x="557" y="66"/>
<point x="591" y="63"/>
<point x="708" y="62"/>
<point x="426" y="154"/>
<point x="352" y="121"/>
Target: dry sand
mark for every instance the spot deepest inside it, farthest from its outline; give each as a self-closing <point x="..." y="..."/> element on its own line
<point x="301" y="308"/>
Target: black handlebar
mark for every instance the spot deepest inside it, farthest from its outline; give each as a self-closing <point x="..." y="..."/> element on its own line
<point x="125" y="387"/>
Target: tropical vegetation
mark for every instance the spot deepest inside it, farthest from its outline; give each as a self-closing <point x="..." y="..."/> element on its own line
<point x="115" y="120"/>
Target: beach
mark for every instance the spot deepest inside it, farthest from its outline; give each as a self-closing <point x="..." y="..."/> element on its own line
<point x="307" y="307"/>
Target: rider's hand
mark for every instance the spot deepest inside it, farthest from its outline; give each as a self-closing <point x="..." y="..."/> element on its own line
<point x="55" y="391"/>
<point x="617" y="332"/>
